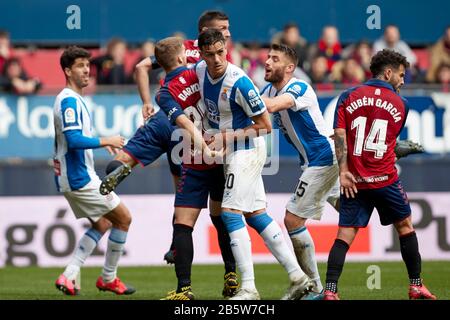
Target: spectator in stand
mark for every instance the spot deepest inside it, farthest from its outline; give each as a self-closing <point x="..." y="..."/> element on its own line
<point x="5" y="48"/>
<point x="15" y="80"/>
<point x="348" y="72"/>
<point x="148" y="50"/>
<point x="329" y="46"/>
<point x="439" y="54"/>
<point x="291" y="37"/>
<point x="319" y="70"/>
<point x="253" y="65"/>
<point x="391" y="40"/>
<point x="361" y="52"/>
<point x="443" y="77"/>
<point x="110" y="68"/>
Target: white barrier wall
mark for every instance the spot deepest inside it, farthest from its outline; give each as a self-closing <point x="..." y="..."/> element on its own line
<point x="43" y="231"/>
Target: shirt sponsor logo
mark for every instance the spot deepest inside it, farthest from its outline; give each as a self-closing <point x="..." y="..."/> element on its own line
<point x="171" y="112"/>
<point x="182" y="80"/>
<point x="69" y="115"/>
<point x="254" y="98"/>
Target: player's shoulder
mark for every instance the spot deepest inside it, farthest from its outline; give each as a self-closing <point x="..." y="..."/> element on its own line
<point x="235" y="72"/>
<point x="348" y="93"/>
<point x="184" y="77"/>
<point x="191" y="43"/>
<point x="297" y="87"/>
<point x="200" y="67"/>
<point x="236" y="77"/>
<point x="66" y="96"/>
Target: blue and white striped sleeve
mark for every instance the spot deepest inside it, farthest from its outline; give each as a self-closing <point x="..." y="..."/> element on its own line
<point x="70" y="114"/>
<point x="298" y="92"/>
<point x="247" y="96"/>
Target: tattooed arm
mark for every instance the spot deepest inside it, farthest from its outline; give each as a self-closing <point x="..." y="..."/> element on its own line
<point x="346" y="178"/>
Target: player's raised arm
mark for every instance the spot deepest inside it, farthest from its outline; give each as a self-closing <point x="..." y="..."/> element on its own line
<point x="143" y="83"/>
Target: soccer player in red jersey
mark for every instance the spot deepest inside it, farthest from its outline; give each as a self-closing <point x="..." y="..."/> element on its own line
<point x="368" y="120"/>
<point x="179" y="98"/>
<point x="208" y="20"/>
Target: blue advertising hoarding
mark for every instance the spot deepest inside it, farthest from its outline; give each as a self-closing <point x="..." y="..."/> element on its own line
<point x="26" y="123"/>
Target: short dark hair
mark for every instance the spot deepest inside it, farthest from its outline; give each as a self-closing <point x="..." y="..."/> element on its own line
<point x="209" y="38"/>
<point x="288" y="51"/>
<point x="71" y="54"/>
<point x="387" y="58"/>
<point x="166" y="51"/>
<point x="208" y="16"/>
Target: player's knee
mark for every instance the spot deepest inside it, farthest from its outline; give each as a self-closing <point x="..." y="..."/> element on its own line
<point x="292" y="221"/>
<point x="404" y="227"/>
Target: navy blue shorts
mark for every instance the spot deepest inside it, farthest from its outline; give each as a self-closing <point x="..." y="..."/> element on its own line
<point x="194" y="187"/>
<point x="391" y="203"/>
<point x="153" y="140"/>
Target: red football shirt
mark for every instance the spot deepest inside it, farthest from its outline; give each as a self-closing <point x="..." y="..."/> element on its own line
<point x="180" y="94"/>
<point x="193" y="52"/>
<point x="372" y="115"/>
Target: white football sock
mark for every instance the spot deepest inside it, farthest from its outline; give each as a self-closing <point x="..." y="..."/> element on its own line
<point x="274" y="240"/>
<point x="242" y="252"/>
<point x="86" y="245"/>
<point x="305" y="251"/>
<point x="116" y="242"/>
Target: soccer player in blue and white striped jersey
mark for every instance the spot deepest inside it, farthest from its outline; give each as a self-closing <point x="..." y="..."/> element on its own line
<point x="76" y="178"/>
<point x="296" y="111"/>
<point x="234" y="107"/>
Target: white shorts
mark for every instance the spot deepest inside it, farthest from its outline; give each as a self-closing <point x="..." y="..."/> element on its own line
<point x="244" y="186"/>
<point x="316" y="186"/>
<point x="87" y="202"/>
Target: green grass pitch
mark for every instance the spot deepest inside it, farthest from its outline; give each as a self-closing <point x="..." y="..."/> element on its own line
<point x="152" y="283"/>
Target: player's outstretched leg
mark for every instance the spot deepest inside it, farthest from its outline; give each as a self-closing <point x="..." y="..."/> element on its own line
<point x="271" y="232"/>
<point x="116" y="172"/>
<point x="404" y="148"/>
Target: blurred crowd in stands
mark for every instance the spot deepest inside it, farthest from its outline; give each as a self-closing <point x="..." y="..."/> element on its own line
<point x="326" y="63"/>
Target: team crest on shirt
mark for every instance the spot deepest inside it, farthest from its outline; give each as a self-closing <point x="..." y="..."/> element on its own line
<point x="69" y="115"/>
<point x="377" y="92"/>
<point x="224" y="94"/>
<point x="213" y="111"/>
<point x="182" y="80"/>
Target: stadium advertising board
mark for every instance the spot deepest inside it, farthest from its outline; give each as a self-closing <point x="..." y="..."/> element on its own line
<point x="43" y="231"/>
<point x="26" y="123"/>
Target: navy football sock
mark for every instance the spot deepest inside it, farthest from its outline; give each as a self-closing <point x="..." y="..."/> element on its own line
<point x="409" y="248"/>
<point x="224" y="242"/>
<point x="335" y="263"/>
<point x="184" y="251"/>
